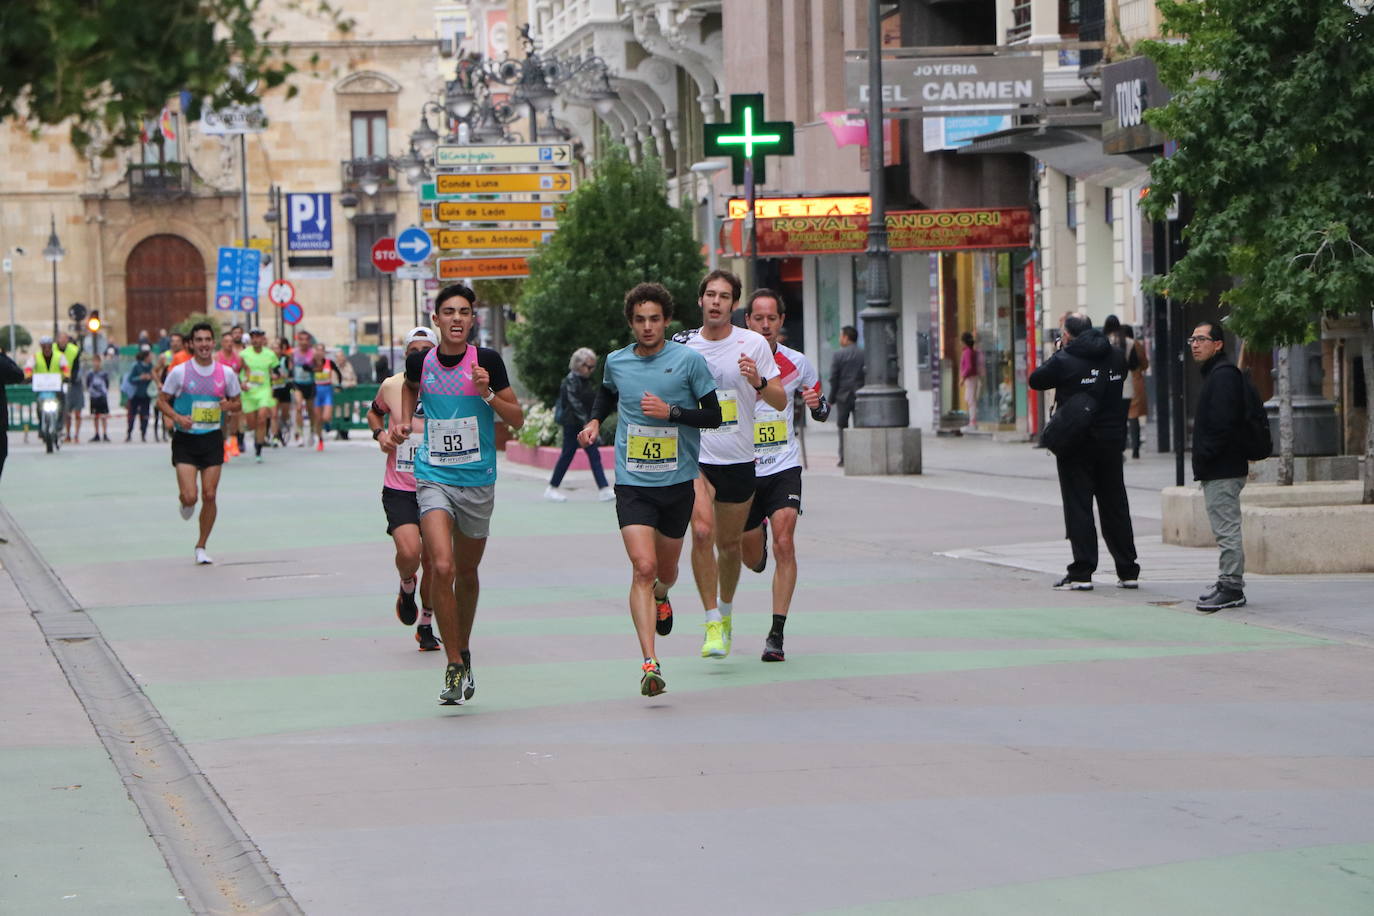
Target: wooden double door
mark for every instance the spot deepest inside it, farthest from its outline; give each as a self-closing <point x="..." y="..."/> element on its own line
<point x="164" y="281"/>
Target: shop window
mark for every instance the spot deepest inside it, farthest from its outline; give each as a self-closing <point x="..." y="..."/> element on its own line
<point x="1071" y="201"/>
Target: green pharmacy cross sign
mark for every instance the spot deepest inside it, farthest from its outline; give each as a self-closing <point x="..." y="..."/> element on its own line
<point x="747" y="136"/>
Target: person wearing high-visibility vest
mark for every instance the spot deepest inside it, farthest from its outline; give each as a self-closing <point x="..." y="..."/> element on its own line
<point x="47" y="359"/>
<point x="76" y="392"/>
<point x="322" y="411"/>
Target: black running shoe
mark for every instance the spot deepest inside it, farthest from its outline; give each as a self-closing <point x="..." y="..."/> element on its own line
<point x="1073" y="585"/>
<point x="406" y="611"/>
<point x="424" y="635"/>
<point x="772" y="648"/>
<point x="469" y="682"/>
<point x="1209" y="595"/>
<point x="1224" y="598"/>
<point x="663" y="610"/>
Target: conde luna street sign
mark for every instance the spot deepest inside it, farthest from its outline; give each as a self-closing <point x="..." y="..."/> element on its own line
<point x="914" y="83"/>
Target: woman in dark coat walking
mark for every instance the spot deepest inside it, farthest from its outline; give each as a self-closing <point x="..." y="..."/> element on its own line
<point x="573" y="411"/>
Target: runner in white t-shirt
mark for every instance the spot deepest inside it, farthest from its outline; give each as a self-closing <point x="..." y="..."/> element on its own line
<point x="778" y="469"/>
<point x="742" y="365"/>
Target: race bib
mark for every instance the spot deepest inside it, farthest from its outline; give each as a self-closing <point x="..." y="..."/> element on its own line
<point x="729" y="412"/>
<point x="770" y="432"/>
<point x="405" y="453"/>
<point x="454" y="442"/>
<point x="651" y="449"/>
<point x="256" y="378"/>
<point x="205" y="416"/>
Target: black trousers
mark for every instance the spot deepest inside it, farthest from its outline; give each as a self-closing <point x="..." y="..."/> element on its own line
<point x="1094" y="472"/>
<point x="844" y="408"/>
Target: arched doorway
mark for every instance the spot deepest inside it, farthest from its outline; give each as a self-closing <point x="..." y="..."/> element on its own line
<point x="164" y="281"/>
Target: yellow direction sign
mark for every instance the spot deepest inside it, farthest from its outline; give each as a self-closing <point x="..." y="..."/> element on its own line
<point x="458" y="211"/>
<point x="462" y="240"/>
<point x="482" y="268"/>
<point x="506" y="183"/>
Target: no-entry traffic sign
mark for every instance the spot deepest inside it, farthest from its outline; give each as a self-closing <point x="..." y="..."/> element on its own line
<point x="384" y="256"/>
<point x="281" y="292"/>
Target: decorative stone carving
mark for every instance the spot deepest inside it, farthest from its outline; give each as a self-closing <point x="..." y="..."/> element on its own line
<point x="367" y="82"/>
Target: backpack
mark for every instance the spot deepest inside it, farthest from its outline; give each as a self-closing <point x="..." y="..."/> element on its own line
<point x="1069" y="424"/>
<point x="1255" y="440"/>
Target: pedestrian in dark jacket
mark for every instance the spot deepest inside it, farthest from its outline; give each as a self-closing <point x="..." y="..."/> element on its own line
<point x="572" y="412"/>
<point x="1219" y="460"/>
<point x="1093" y="469"/>
<point x="846" y="378"/>
<point x="10" y="374"/>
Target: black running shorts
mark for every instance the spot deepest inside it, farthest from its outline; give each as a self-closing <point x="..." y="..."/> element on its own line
<point x="282" y="394"/>
<point x="307" y="390"/>
<point x="401" y="508"/>
<point x="668" y="510"/>
<point x="203" y="450"/>
<point x="734" y="483"/>
<point x="776" y="491"/>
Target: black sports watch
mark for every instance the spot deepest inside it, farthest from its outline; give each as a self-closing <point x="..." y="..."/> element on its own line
<point x="674" y="413"/>
<point x="762" y="386"/>
<point x="376" y="434"/>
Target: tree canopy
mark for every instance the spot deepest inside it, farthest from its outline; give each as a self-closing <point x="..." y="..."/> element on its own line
<point x="1273" y="116"/>
<point x="106" y="67"/>
<point x="618" y="230"/>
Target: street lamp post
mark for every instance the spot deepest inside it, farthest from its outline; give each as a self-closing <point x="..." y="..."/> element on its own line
<point x="708" y="170"/>
<point x="54" y="254"/>
<point x="882" y="401"/>
<point x="273" y="216"/>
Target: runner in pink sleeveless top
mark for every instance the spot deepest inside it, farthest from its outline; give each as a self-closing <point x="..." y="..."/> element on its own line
<point x="399" y="501"/>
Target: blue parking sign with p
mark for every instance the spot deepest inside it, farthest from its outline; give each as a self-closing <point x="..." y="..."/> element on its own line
<point x="309" y="224"/>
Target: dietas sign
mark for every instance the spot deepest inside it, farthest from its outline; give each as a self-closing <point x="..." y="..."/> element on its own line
<point x="995" y="82"/>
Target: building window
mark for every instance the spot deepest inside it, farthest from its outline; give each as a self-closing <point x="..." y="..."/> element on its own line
<point x="367" y="229"/>
<point x="1109" y="206"/>
<point x="1071" y="200"/>
<point x="369" y="134"/>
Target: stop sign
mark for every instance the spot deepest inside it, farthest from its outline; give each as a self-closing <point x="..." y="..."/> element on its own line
<point x="384" y="256"/>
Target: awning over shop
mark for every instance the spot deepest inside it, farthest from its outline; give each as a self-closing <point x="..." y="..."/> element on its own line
<point x="1072" y="146"/>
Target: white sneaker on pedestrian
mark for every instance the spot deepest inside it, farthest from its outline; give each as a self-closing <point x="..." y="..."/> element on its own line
<point x="187" y="511"/>
<point x="202" y="558"/>
<point x="605" y="495"/>
<point x="553" y="496"/>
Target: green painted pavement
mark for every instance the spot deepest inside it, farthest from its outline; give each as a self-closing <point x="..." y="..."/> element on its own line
<point x="1318" y="879"/>
<point x="351" y="617"/>
<point x="211" y="710"/>
<point x="72" y="840"/>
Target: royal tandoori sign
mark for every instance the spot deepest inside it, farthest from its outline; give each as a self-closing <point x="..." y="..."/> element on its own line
<point x="907" y="230"/>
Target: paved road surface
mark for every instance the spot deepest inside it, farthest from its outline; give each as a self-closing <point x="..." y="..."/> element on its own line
<point x="948" y="735"/>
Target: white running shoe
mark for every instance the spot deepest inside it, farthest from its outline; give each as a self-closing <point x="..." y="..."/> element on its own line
<point x="553" y="496"/>
<point x="202" y="558"/>
<point x="605" y="495"/>
<point x="187" y="511"/>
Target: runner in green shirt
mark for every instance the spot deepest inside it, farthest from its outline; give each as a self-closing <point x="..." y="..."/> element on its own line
<point x="258" y="363"/>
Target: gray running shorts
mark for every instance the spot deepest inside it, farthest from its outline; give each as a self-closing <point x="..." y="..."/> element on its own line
<point x="469" y="507"/>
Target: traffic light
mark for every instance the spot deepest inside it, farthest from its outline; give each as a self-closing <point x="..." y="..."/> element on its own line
<point x="93" y="322"/>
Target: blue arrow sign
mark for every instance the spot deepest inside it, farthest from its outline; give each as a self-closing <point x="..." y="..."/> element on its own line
<point x="414" y="245"/>
<point x="236" y="279"/>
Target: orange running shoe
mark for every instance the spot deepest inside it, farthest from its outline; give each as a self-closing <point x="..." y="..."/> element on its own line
<point x="664" y="625"/>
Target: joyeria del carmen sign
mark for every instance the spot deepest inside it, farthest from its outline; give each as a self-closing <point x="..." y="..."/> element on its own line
<point x="907" y="230"/>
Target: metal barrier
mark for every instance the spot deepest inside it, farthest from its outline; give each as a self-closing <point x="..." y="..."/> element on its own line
<point x="23" y="412"/>
<point x="351" y="405"/>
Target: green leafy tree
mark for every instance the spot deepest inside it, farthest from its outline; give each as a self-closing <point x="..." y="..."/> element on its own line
<point x="22" y="337"/>
<point x="105" y="67"/>
<point x="618" y="230"/>
<point x="1273" y="115"/>
<point x="183" y="327"/>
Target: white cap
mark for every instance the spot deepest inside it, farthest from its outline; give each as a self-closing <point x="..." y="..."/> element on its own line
<point x="422" y="334"/>
<point x="45" y="339"/>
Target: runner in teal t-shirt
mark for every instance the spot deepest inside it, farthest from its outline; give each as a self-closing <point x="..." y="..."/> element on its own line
<point x="666" y="395"/>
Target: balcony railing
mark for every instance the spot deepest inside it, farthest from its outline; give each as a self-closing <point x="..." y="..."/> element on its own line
<point x="159" y="180"/>
<point x="368" y="176"/>
<point x="1020" y="29"/>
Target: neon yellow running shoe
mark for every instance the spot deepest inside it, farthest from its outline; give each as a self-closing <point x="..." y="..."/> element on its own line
<point x="727" y="632"/>
<point x="714" y="646"/>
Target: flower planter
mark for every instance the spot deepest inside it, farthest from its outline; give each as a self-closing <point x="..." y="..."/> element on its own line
<point x="546" y="456"/>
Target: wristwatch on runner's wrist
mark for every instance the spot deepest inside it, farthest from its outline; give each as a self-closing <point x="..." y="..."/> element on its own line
<point x="376" y="434"/>
<point x="674" y="413"/>
<point x="489" y="396"/>
<point x="763" y="383"/>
